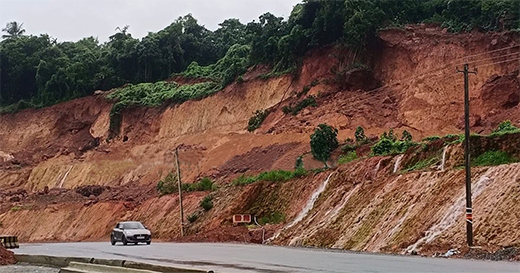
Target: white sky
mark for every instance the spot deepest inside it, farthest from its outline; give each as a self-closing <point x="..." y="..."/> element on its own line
<point x="71" y="20"/>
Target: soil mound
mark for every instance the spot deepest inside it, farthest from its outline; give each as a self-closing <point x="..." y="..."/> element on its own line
<point x="6" y="256"/>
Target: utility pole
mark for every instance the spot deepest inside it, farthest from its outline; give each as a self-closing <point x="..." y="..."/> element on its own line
<point x="469" y="210"/>
<point x="180" y="189"/>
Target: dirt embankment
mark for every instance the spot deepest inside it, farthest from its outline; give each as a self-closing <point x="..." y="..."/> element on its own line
<point x="45" y="154"/>
<point x="6" y="256"/>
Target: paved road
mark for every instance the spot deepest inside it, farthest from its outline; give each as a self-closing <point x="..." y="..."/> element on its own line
<point x="259" y="258"/>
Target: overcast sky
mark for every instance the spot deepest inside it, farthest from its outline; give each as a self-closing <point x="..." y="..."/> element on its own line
<point x="71" y="20"/>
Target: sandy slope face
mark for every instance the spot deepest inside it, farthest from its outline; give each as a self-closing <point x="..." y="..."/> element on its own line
<point x="364" y="205"/>
<point x="415" y="211"/>
<point x="421" y="63"/>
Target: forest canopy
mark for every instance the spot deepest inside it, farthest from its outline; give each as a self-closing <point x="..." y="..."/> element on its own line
<point x="37" y="71"/>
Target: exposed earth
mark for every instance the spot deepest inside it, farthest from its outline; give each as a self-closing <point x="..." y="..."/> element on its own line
<point x="63" y="179"/>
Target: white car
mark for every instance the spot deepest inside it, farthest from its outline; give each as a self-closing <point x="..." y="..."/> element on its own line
<point x="130" y="232"/>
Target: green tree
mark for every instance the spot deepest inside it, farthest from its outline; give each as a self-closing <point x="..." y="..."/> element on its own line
<point x="323" y="141"/>
<point x="360" y="134"/>
<point x="13" y="30"/>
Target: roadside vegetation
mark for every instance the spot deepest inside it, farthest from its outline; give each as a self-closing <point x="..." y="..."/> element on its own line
<point x="270" y="176"/>
<point x="390" y="144"/>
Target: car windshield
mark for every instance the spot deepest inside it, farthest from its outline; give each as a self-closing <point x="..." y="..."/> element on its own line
<point x="134" y="225"/>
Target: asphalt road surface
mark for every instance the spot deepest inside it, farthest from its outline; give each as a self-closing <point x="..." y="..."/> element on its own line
<point x="260" y="258"/>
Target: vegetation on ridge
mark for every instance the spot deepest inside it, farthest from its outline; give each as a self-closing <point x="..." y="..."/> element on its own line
<point x="39" y="71"/>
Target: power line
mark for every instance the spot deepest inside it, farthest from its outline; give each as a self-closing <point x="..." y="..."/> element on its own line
<point x="497" y="63"/>
<point x="408" y="80"/>
<point x="491" y="51"/>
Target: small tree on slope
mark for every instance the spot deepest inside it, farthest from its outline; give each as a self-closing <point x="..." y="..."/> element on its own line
<point x="323" y="141"/>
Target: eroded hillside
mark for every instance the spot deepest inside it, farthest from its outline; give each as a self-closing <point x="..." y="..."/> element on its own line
<point x="411" y="84"/>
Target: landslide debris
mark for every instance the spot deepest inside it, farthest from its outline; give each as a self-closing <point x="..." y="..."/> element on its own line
<point x="6" y="256"/>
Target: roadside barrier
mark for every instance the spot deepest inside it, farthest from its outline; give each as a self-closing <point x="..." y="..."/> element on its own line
<point x="9" y="241"/>
<point x="75" y="267"/>
<point x="94" y="264"/>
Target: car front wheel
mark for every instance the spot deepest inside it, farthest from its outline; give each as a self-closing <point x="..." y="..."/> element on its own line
<point x="149" y="242"/>
<point x="125" y="242"/>
<point x="112" y="240"/>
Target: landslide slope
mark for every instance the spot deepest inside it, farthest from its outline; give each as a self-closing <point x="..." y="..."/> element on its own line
<point x="410" y="84"/>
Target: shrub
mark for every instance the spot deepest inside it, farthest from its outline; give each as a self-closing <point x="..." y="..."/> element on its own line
<point x="388" y="144"/>
<point x="299" y="163"/>
<point x="207" y="202"/>
<point x="360" y="134"/>
<point x="323" y="141"/>
<point x="505" y="127"/>
<point x="348" y="157"/>
<point x="431" y="138"/>
<point x="168" y="184"/>
<point x="406" y="136"/>
<point x="493" y="158"/>
<point x="244" y="180"/>
<point x="309" y="101"/>
<point x="192" y="217"/>
<point x="205" y="184"/>
<point x="383" y="146"/>
<point x="273" y="218"/>
<point x="257" y="119"/>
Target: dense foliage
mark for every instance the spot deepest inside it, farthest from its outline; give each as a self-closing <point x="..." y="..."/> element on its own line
<point x="389" y="144"/>
<point x="154" y="94"/>
<point x="323" y="141"/>
<point x="38" y="70"/>
<point x="505" y="127"/>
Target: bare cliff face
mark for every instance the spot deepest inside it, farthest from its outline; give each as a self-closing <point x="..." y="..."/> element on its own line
<point x="412" y="85"/>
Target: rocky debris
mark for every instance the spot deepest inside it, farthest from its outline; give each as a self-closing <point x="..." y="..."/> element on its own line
<point x="474" y="121"/>
<point x="501" y="92"/>
<point x="6" y="256"/>
<point x="507" y="253"/>
<point x="90" y="190"/>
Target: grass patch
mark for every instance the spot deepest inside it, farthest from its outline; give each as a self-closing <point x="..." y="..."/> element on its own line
<point x="493" y="158"/>
<point x="431" y="138"/>
<point x="351" y="156"/>
<point x="273" y="218"/>
<point x="271" y="176"/>
<point x="423" y="164"/>
<point x="205" y="184"/>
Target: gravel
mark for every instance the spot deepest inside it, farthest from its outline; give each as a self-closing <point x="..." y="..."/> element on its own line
<point x="20" y="268"/>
